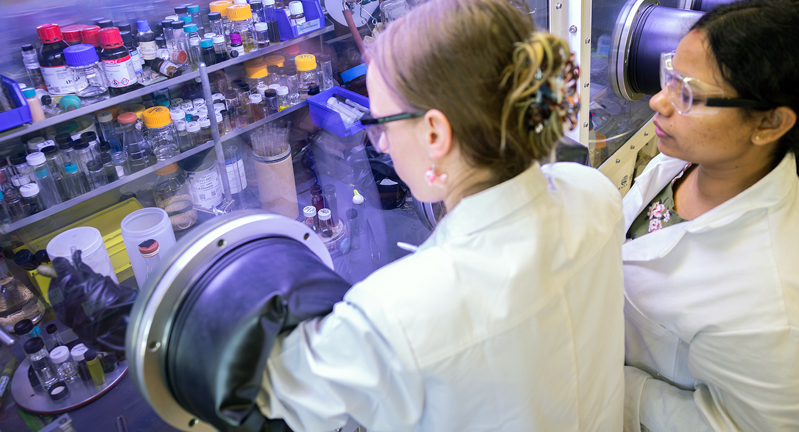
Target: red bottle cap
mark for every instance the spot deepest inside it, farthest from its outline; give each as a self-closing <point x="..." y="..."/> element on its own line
<point x="49" y="33"/>
<point x="110" y="38"/>
<point x="72" y="33"/>
<point x="91" y="35"/>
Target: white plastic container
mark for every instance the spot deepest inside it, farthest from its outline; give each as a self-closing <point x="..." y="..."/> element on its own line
<point x="147" y="223"/>
<point x="90" y="242"/>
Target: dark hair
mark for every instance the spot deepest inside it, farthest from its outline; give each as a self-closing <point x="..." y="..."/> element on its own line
<point x="756" y="45"/>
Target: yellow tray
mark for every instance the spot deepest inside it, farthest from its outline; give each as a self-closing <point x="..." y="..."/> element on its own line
<point x="108" y="222"/>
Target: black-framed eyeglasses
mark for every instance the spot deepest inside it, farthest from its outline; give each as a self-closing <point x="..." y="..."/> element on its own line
<point x="376" y="130"/>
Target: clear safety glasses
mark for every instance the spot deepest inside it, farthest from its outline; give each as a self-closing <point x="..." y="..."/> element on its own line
<point x="692" y="97"/>
<point x="376" y="130"/>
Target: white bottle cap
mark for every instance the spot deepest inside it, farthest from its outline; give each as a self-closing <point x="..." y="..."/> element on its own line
<point x="218" y="39"/>
<point x="218" y="118"/>
<point x="269" y="2"/>
<point x="194" y="41"/>
<point x="296" y="8"/>
<point x="309" y="211"/>
<point x="261" y="26"/>
<point x="282" y="91"/>
<point x="186" y="105"/>
<point x="204" y="122"/>
<point x="59" y="354"/>
<point x="78" y="351"/>
<point x="209" y="35"/>
<point x="261" y="89"/>
<point x="324" y="214"/>
<point x="274" y="86"/>
<point x="176" y="102"/>
<point x="20" y="180"/>
<point x="193" y="127"/>
<point x="177" y="114"/>
<point x="256" y="98"/>
<point x="219" y="107"/>
<point x="180" y="124"/>
<point x="29" y="190"/>
<point x="198" y="102"/>
<point x="357" y="199"/>
<point x="239" y="1"/>
<point x="218" y="97"/>
<point x="172" y="17"/>
<point x="36" y="158"/>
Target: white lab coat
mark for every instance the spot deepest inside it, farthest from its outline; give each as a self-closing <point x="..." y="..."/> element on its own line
<point x="508" y="318"/>
<point x="712" y="311"/>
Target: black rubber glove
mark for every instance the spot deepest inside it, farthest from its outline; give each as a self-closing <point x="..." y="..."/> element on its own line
<point x="93" y="305"/>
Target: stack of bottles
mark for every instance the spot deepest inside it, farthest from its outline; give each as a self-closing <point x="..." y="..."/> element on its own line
<point x="55" y="368"/>
<point x="92" y="62"/>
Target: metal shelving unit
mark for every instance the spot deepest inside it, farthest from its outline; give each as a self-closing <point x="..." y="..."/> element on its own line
<point x="216" y="144"/>
<point x="71" y="115"/>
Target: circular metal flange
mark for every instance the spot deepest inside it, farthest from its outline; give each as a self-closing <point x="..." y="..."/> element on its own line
<point x="620" y="48"/>
<point x="152" y="315"/>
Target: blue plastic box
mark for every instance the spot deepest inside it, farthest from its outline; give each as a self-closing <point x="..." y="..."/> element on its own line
<point x="330" y="120"/>
<point x="17" y="116"/>
<point x="314" y="20"/>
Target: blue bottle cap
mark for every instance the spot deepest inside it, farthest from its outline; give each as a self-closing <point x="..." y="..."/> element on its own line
<point x="69" y="102"/>
<point x="206" y="43"/>
<point x="1" y="196"/>
<point x="70" y="168"/>
<point x="194" y="9"/>
<point x="190" y="28"/>
<point x="80" y="55"/>
<point x="143" y="26"/>
<point x="186" y="18"/>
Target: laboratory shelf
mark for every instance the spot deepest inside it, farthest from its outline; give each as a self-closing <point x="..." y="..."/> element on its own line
<point x="263" y="121"/>
<point x="70" y="115"/>
<point x="5" y="229"/>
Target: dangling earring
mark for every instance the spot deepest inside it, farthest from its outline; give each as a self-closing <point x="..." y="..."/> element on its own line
<point x="430" y="175"/>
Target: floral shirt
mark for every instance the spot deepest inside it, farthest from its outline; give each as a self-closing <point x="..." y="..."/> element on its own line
<point x="660" y="213"/>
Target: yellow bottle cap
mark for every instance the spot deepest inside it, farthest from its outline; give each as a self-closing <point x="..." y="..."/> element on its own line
<point x="239" y="12"/>
<point x="275" y="60"/>
<point x="305" y="62"/>
<point x="169" y="169"/>
<point x="220" y="6"/>
<point x="138" y="109"/>
<point x="255" y="68"/>
<point x="157" y="117"/>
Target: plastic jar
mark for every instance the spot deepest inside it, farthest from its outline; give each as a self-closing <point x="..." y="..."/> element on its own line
<point x="65" y="368"/>
<point x="240" y="16"/>
<point x="87" y="74"/>
<point x="144" y="224"/>
<point x="306" y="68"/>
<point x="90" y="242"/>
<point x="160" y="132"/>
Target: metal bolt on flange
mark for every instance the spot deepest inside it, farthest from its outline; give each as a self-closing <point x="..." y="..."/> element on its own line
<point x="573" y="29"/>
<point x="558" y="5"/>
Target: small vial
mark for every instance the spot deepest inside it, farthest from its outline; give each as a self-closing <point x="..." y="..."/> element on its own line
<point x="121" y="164"/>
<point x="355" y="238"/>
<point x="243" y="117"/>
<point x="149" y="251"/>
<point x="72" y="180"/>
<point x="317" y="199"/>
<point x="65" y="368"/>
<point x="31" y="60"/>
<point x="283" y="98"/>
<point x="256" y="108"/>
<point x="220" y="48"/>
<point x="236" y="47"/>
<point x="184" y="140"/>
<point x="207" y="51"/>
<point x="205" y="130"/>
<point x="325" y="224"/>
<point x="311" y="220"/>
<point x="33" y="202"/>
<point x="226" y="121"/>
<point x="45" y="179"/>
<point x="294" y="89"/>
<point x="40" y="362"/>
<point x="297" y="16"/>
<point x="77" y="353"/>
<point x="262" y="35"/>
<point x="34" y="104"/>
<point x="270" y="101"/>
<point x="97" y="173"/>
<point x="95" y="367"/>
<point x="108" y="167"/>
<point x="193" y="128"/>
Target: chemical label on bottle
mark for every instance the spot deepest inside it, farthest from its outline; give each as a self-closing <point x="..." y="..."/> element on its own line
<point x="120" y="171"/>
<point x="236" y="175"/>
<point x="206" y="187"/>
<point x="148" y="50"/>
<point x="298" y="21"/>
<point x="58" y="79"/>
<point x="120" y="72"/>
<point x="239" y="48"/>
<point x="137" y="61"/>
<point x="308" y="26"/>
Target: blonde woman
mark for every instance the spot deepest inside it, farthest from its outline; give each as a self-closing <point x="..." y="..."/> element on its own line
<point x="509" y="317"/>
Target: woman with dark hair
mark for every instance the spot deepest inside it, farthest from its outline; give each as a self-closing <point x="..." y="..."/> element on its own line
<point x="711" y="272"/>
